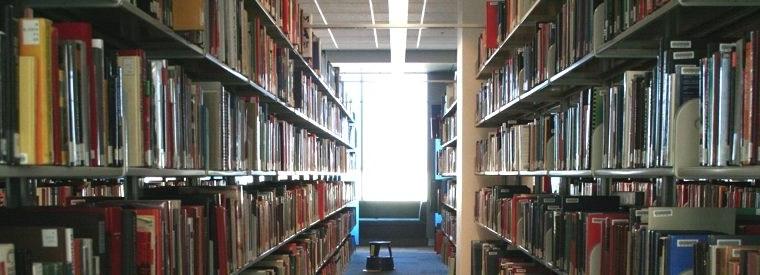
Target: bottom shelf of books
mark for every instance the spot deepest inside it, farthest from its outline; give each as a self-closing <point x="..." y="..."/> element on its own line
<point x="197" y="227"/>
<point x="619" y="234"/>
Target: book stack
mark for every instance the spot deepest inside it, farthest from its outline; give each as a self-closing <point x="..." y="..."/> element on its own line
<point x="315" y="248"/>
<point x="448" y="129"/>
<point x="64" y="193"/>
<point x="446" y="249"/>
<point x="502" y="17"/>
<point x="447" y="193"/>
<point x="317" y="106"/>
<point x="173" y="229"/>
<point x="447" y="161"/>
<point x="717" y="194"/>
<point x="495" y="257"/>
<point x="507" y="149"/>
<point x="619" y="18"/>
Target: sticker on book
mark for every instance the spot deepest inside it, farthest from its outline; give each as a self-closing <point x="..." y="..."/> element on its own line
<point x="30" y="29"/>
<point x="680" y="44"/>
<point x="729" y="242"/>
<point x="662" y="213"/>
<point x="686" y="242"/>
<point x="49" y="237"/>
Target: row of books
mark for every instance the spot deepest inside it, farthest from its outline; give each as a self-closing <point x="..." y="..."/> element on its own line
<point x="447" y="158"/>
<point x="447" y="192"/>
<point x="555" y="46"/>
<point x="496" y="257"/>
<point x="557" y="140"/>
<point x="501" y="18"/>
<point x="310" y="250"/>
<point x="292" y="20"/>
<point x="287" y="148"/>
<point x="103" y="92"/>
<point x="448" y="128"/>
<point x="449" y="224"/>
<point x="319" y="107"/>
<point x="61" y="193"/>
<point x="450" y="96"/>
<point x="446" y="249"/>
<point x="176" y="230"/>
<point x="564" y="231"/>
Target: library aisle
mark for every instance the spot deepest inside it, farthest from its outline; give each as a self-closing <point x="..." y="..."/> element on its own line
<point x="281" y="137"/>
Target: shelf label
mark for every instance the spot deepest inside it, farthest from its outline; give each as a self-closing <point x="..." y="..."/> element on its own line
<point x="683" y="55"/>
<point x="729" y="242"/>
<point x="680" y="44"/>
<point x="572" y="200"/>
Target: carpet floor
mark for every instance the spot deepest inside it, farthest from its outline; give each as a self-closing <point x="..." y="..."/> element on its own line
<point x="407" y="260"/>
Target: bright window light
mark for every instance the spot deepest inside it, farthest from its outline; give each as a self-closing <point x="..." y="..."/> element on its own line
<point x="394" y="137"/>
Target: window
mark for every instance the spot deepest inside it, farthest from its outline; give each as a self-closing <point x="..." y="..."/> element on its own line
<point x="393" y="140"/>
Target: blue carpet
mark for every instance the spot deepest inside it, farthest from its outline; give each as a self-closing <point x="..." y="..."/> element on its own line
<point x="408" y="260"/>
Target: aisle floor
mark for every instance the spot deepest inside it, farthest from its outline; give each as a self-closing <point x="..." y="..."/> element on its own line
<point x="408" y="260"/>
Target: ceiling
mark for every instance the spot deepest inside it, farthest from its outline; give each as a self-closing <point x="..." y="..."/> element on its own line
<point x="350" y="18"/>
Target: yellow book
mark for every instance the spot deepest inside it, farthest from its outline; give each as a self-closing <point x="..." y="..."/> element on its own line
<point x="131" y="69"/>
<point x="190" y="15"/>
<point x="35" y="41"/>
<point x="26" y="110"/>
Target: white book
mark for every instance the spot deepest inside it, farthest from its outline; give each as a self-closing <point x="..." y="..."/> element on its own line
<point x="8" y="259"/>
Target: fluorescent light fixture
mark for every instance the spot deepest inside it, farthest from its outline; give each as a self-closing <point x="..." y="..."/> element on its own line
<point x="333" y="38"/>
<point x="398" y="15"/>
<point x="372" y="15"/>
<point x="320" y="12"/>
<point x="422" y="21"/>
<point x="324" y="20"/>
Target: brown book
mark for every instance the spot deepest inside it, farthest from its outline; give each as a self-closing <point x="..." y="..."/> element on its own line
<point x="40" y="244"/>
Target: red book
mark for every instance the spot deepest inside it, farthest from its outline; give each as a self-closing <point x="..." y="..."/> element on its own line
<point x="285" y="17"/>
<point x="321" y="199"/>
<point x="595" y="225"/>
<point x="221" y="239"/>
<point x="149" y="222"/>
<point x="76" y="246"/>
<point x="82" y="31"/>
<point x="515" y="215"/>
<point x="492" y="24"/>
<point x="199" y="257"/>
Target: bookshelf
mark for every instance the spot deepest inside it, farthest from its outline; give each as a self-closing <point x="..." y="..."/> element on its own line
<point x="450" y="143"/>
<point x="604" y="61"/>
<point x="123" y="25"/>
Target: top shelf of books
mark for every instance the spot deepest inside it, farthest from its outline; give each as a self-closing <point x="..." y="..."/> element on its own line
<point x="626" y="39"/>
<point x="125" y="24"/>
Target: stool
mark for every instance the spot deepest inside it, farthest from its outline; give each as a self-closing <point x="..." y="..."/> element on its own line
<point x="376" y="263"/>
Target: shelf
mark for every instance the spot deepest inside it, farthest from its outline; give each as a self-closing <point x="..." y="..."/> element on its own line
<point x="451" y="143"/>
<point x="332" y="254"/>
<point x="308" y="175"/>
<point x="449" y="238"/>
<point x="449" y="207"/>
<point x="451" y="110"/>
<point x="501" y="173"/>
<point x="534" y="173"/>
<point x="696" y="18"/>
<point x="523" y="250"/>
<point x="279" y="37"/>
<point x="287" y="240"/>
<point x="137" y="29"/>
<point x="60" y="171"/>
<point x="571" y="173"/>
<point x="634" y="173"/>
<point x="727" y="172"/>
<point x="157" y="172"/>
<point x="448" y="175"/>
<point x="542" y="10"/>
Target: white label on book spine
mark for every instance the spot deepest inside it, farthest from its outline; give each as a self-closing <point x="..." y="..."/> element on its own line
<point x="729" y="242"/>
<point x="572" y="200"/>
<point x="549" y="200"/>
<point x="686" y="242"/>
<point x="640" y="213"/>
<point x="30" y="29"/>
<point x="757" y="211"/>
<point x="727" y="47"/>
<point x="662" y="213"/>
<point x="49" y="237"/>
<point x="598" y="220"/>
<point x="736" y="252"/>
<point x="683" y="55"/>
<point x="680" y="44"/>
<point x="552" y="207"/>
<point x="690" y="70"/>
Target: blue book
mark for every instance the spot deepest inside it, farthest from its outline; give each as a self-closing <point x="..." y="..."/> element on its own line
<point x="680" y="256"/>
